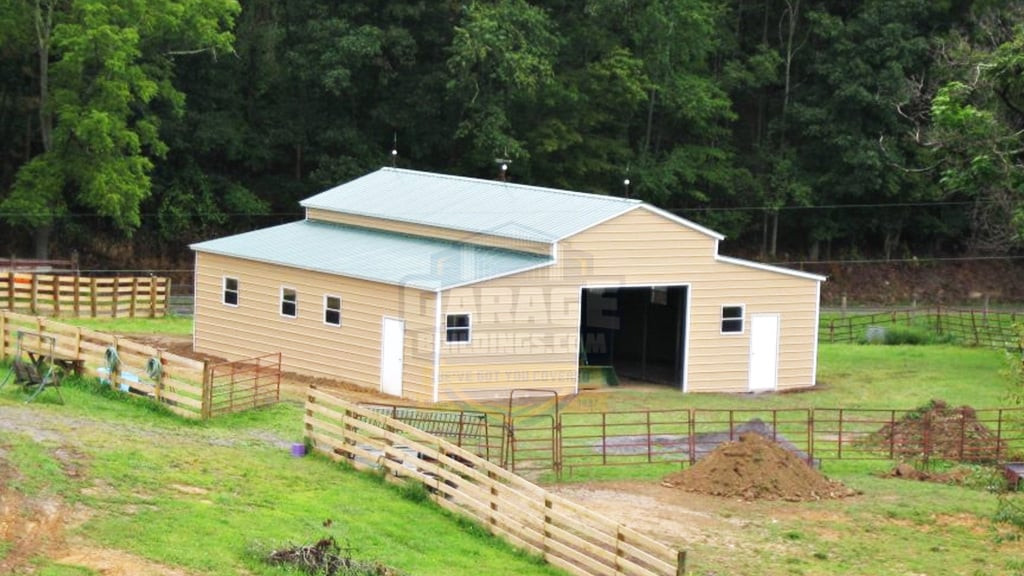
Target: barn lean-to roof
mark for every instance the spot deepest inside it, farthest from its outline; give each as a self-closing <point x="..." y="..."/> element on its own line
<point x="376" y="255"/>
<point x="471" y="205"/>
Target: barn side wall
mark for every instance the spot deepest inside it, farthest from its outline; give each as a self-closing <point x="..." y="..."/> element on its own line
<point x="351" y="352"/>
<point x="525" y="327"/>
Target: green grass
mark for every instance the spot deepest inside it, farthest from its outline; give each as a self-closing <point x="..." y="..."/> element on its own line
<point x="201" y="496"/>
<point x="170" y="325"/>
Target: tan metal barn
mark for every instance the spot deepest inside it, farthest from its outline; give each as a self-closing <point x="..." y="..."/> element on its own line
<point x="434" y="287"/>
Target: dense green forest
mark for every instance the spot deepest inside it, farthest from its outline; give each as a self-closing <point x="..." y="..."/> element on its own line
<point x="801" y="129"/>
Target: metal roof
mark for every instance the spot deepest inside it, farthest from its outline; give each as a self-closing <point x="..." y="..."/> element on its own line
<point x="379" y="256"/>
<point x="472" y="205"/>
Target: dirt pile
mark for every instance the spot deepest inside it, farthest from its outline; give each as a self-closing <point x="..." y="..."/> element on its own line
<point x="937" y="430"/>
<point x="908" y="472"/>
<point x="755" y="468"/>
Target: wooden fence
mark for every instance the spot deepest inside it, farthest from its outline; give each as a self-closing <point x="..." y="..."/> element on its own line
<point x="566" y="534"/>
<point x="187" y="387"/>
<point x="74" y="295"/>
<point x="972" y="327"/>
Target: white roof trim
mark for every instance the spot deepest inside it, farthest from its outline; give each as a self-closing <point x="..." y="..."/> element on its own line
<point x="770" y="268"/>
<point x="683" y="221"/>
<point x="496" y="276"/>
<point x="625" y="210"/>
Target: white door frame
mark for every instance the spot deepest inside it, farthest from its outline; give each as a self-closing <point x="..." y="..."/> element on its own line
<point x="389" y="375"/>
<point x="763" y="364"/>
<point x="685" y="385"/>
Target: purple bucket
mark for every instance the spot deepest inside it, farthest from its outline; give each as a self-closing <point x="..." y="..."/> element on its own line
<point x="298" y="450"/>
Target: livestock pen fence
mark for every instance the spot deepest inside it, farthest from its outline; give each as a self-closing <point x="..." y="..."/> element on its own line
<point x="570" y="442"/>
<point x="93" y="296"/>
<point x="566" y="534"/>
<point x="994" y="329"/>
<point x="190" y="388"/>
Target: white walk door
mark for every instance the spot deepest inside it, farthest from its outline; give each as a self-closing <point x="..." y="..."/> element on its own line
<point x="391" y="352"/>
<point x="764" y="352"/>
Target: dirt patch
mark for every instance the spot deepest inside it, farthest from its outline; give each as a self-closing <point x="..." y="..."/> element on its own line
<point x="908" y="472"/>
<point x="937" y="430"/>
<point x="36" y="526"/>
<point x="755" y="468"/>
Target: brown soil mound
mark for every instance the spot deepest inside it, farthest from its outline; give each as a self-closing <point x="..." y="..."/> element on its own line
<point x="755" y="468"/>
<point x="908" y="472"/>
<point x="937" y="430"/>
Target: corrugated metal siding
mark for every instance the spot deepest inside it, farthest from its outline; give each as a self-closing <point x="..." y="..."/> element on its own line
<point x="532" y="319"/>
<point x="541" y="248"/>
<point x="351" y="352"/>
<point x="472" y="205"/>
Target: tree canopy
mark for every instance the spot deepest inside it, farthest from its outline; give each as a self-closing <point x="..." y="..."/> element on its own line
<point x="802" y="129"/>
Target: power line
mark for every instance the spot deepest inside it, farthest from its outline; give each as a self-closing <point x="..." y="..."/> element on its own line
<point x="913" y="260"/>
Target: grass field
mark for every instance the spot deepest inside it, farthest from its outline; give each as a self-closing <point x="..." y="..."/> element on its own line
<point x="205" y="497"/>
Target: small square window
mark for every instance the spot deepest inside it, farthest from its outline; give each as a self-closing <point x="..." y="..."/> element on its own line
<point x="289" y="302"/>
<point x="732" y="319"/>
<point x="231" y="291"/>
<point x="457" y="328"/>
<point x="332" y="310"/>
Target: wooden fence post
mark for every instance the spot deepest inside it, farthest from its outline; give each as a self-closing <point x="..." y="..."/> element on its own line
<point x="56" y="295"/>
<point x="92" y="296"/>
<point x="116" y="295"/>
<point x="681" y="563"/>
<point x="135" y="296"/>
<point x="33" y="294"/>
<point x="207" y="404"/>
<point x="10" y="290"/>
<point x="152" y="297"/>
<point x="158" y="382"/>
<point x="77" y="287"/>
<point x="3" y="334"/>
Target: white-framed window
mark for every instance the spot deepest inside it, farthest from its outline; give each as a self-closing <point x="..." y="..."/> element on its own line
<point x="457" y="327"/>
<point x="289" y="302"/>
<point x="332" y="310"/>
<point x="230" y="291"/>
<point x="732" y="318"/>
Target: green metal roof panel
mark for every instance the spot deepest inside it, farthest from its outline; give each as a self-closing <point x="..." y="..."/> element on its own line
<point x="471" y="205"/>
<point x="379" y="256"/>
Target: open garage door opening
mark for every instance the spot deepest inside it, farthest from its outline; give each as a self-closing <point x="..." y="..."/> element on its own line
<point x="640" y="331"/>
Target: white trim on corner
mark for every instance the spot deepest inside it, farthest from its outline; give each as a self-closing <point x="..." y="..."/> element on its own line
<point x="685" y="385"/>
<point x="814" y="341"/>
<point x="769" y="268"/>
<point x="437" y="346"/>
<point x="683" y="221"/>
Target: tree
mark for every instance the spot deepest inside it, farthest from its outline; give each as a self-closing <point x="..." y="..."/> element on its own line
<point x="502" y="54"/>
<point x="104" y="68"/>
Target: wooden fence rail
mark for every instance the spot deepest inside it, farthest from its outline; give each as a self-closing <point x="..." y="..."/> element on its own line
<point x="185" y="386"/>
<point x="74" y="295"/>
<point x="566" y="534"/>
